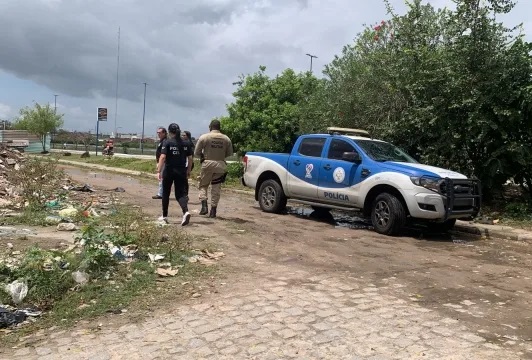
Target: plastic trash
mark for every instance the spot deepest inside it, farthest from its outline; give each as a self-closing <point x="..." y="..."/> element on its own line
<point x="18" y="291"/>
<point x="52" y="220"/>
<point x="80" y="277"/>
<point x="52" y="203"/>
<point x="68" y="213"/>
<point x="66" y="227"/>
<point x="8" y="318"/>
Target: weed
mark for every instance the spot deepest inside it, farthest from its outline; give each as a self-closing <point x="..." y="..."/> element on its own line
<point x="38" y="180"/>
<point x="518" y="211"/>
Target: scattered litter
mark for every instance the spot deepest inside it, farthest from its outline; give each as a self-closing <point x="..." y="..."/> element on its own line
<point x="18" y="291"/>
<point x="52" y="220"/>
<point x="10" y="316"/>
<point x="196" y="295"/>
<point x="166" y="272"/>
<point x="52" y="203"/>
<point x="84" y="188"/>
<point x="68" y="213"/>
<point x="66" y="227"/>
<point x="80" y="277"/>
<point x="206" y="257"/>
<point x="155" y="257"/>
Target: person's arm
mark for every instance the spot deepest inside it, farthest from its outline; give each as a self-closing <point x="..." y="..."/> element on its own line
<point x="229" y="149"/>
<point x="190" y="159"/>
<point x="162" y="160"/>
<point x="198" y="151"/>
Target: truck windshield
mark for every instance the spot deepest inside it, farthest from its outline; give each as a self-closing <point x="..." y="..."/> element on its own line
<point x="383" y="151"/>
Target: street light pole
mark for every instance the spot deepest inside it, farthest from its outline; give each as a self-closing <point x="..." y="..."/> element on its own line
<point x="311" y="57"/>
<point x="143" y="117"/>
<point x="55" y="103"/>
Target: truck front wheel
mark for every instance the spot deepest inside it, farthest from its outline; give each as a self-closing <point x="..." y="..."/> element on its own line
<point x="388" y="214"/>
<point x="271" y="197"/>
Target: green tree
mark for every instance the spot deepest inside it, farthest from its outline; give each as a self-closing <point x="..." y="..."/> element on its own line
<point x="451" y="87"/>
<point x="266" y="113"/>
<point x="39" y="120"/>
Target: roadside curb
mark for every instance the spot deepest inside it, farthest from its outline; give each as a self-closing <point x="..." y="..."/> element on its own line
<point x="506" y="234"/>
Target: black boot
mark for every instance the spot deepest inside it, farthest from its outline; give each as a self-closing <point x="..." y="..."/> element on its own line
<point x="204" y="208"/>
<point x="213" y="212"/>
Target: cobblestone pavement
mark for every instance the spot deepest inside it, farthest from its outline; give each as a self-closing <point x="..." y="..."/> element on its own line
<point x="294" y="315"/>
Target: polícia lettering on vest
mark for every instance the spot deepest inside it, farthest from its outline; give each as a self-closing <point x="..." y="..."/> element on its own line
<point x="336" y="196"/>
<point x="217" y="144"/>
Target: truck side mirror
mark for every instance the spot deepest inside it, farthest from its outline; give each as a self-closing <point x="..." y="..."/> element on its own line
<point x="352" y="156"/>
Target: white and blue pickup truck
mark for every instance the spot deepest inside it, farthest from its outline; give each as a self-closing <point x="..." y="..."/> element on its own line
<point x="346" y="169"/>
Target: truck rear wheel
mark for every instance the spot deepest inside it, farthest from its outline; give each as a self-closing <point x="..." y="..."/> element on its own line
<point x="388" y="214"/>
<point x="271" y="197"/>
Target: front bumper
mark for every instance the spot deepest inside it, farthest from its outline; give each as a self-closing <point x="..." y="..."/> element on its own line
<point x="457" y="199"/>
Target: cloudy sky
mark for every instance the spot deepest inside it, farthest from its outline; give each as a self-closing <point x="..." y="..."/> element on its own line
<point x="188" y="51"/>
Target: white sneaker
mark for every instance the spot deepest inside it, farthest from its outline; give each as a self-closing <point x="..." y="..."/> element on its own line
<point x="186" y="219"/>
<point x="163" y="219"/>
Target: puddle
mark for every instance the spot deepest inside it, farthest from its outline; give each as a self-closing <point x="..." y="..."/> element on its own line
<point x="336" y="218"/>
<point x="344" y="220"/>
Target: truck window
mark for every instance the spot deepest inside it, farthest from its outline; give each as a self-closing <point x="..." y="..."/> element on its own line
<point x="311" y="147"/>
<point x="338" y="147"/>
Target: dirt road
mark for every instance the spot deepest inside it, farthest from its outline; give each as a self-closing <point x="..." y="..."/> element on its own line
<point x="309" y="288"/>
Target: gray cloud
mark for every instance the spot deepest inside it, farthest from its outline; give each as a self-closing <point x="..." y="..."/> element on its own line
<point x="189" y="52"/>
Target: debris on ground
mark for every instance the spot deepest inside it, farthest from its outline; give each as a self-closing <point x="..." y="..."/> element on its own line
<point x="10" y="160"/>
<point x="164" y="272"/>
<point x="66" y="227"/>
<point x="18" y="291"/>
<point x="206" y="258"/>
<point x="10" y="316"/>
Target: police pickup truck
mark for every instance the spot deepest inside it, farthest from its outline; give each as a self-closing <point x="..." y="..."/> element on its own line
<point x="347" y="169"/>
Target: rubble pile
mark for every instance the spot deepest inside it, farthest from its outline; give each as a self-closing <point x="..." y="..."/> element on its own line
<point x="10" y="159"/>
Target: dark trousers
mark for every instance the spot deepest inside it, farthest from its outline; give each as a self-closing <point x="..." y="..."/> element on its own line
<point x="177" y="177"/>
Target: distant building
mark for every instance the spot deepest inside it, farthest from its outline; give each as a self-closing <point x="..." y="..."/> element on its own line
<point x="34" y="140"/>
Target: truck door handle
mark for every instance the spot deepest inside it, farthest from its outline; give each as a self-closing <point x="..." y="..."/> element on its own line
<point x="327" y="167"/>
<point x="297" y="162"/>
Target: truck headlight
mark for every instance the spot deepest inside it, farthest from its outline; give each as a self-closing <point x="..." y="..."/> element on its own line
<point x="433" y="184"/>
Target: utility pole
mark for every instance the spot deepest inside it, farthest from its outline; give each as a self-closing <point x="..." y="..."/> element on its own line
<point x="311" y="57"/>
<point x="117" y="68"/>
<point x="55" y="103"/>
<point x="143" y="117"/>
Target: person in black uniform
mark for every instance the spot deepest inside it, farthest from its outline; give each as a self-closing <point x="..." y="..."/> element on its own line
<point x="161" y="133"/>
<point x="176" y="157"/>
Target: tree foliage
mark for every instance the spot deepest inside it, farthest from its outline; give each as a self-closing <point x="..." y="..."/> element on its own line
<point x="39" y="120"/>
<point x="266" y="112"/>
<point x="451" y="86"/>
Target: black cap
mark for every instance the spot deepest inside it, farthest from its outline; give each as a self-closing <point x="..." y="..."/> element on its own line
<point x="173" y="128"/>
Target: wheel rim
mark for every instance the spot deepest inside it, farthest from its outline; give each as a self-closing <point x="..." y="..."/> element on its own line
<point x="268" y="196"/>
<point x="382" y="213"/>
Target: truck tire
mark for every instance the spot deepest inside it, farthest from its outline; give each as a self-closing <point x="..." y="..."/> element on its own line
<point x="388" y="214"/>
<point x="271" y="197"/>
<point x="444" y="226"/>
